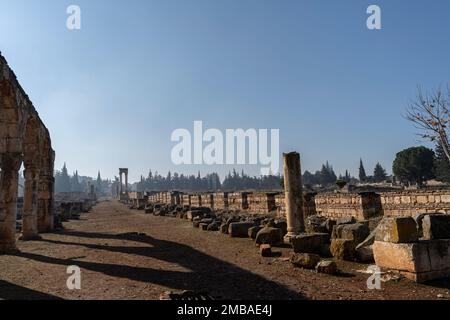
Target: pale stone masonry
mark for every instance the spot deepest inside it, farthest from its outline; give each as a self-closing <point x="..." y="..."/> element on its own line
<point x="24" y="139"/>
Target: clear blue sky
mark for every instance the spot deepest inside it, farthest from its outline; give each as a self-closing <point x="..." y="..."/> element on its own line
<point x="112" y="93"/>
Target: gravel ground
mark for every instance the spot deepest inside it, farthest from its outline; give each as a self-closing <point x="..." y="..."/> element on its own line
<point x="171" y="255"/>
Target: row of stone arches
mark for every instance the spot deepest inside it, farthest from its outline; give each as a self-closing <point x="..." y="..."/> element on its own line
<point x="24" y="141"/>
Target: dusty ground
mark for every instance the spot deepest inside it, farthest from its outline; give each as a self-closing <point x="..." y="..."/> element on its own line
<point x="174" y="256"/>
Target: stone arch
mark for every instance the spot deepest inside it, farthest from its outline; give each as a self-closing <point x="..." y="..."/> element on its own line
<point x="23" y="138"/>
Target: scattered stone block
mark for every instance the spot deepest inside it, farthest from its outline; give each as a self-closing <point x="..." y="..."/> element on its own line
<point x="346" y="220"/>
<point x="196" y="224"/>
<point x="309" y="243"/>
<point x="421" y="261"/>
<point x="265" y="250"/>
<point x="267" y="235"/>
<point x="239" y="229"/>
<point x="356" y="232"/>
<point x="328" y="225"/>
<point x="327" y="267"/>
<point x="436" y="226"/>
<point x="224" y="228"/>
<point x="314" y="224"/>
<point x="365" y="254"/>
<point x="213" y="227"/>
<point x="397" y="230"/>
<point x="203" y="226"/>
<point x="253" y="231"/>
<point x="343" y="249"/>
<point x="305" y="260"/>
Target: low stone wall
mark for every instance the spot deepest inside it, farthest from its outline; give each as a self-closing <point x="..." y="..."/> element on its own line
<point x="362" y="206"/>
<point x="207" y="200"/>
<point x="410" y="203"/>
<point x="196" y="200"/>
<point x="238" y="201"/>
<point x="262" y="203"/>
<point x="221" y="201"/>
<point x="186" y="200"/>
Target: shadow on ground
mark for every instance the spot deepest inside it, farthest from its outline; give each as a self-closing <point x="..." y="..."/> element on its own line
<point x="10" y="291"/>
<point x="219" y="278"/>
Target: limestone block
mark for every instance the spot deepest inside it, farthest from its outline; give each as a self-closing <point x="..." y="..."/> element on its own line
<point x="397" y="230"/>
<point x="305" y="260"/>
<point x="267" y="235"/>
<point x="239" y="229"/>
<point x="436" y="226"/>
<point x="327" y="267"/>
<point x="309" y="243"/>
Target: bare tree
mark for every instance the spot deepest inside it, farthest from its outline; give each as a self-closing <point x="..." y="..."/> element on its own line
<point x="430" y="113"/>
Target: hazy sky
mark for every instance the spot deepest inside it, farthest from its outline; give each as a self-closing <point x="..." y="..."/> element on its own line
<point x="113" y="92"/>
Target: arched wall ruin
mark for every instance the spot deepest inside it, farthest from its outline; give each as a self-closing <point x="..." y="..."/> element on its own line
<point x="24" y="139"/>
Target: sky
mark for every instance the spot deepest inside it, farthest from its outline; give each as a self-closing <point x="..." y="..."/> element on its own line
<point x="113" y="92"/>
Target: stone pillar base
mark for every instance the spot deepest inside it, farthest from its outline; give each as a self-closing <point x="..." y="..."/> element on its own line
<point x="288" y="237"/>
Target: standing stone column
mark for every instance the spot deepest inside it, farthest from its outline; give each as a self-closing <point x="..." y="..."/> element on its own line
<point x="9" y="185"/>
<point x="126" y="182"/>
<point x="30" y="205"/>
<point x="294" y="196"/>
<point x="45" y="204"/>
<point x="121" y="185"/>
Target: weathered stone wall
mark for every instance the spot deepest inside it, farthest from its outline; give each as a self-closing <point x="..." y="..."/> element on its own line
<point x="207" y="200"/>
<point x="221" y="201"/>
<point x="362" y="206"/>
<point x="196" y="200"/>
<point x="238" y="201"/>
<point x="262" y="203"/>
<point x="410" y="203"/>
<point x="186" y="200"/>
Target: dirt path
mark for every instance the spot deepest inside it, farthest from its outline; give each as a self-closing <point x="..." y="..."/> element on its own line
<point x="172" y="255"/>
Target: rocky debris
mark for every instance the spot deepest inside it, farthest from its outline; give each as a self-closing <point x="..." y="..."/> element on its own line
<point x="305" y="260"/>
<point x="436" y="226"/>
<point x="224" y="228"/>
<point x="346" y="220"/>
<point x="343" y="249"/>
<point x="190" y="215"/>
<point x="314" y="224"/>
<point x="268" y="235"/>
<point x="265" y="250"/>
<point x="149" y="209"/>
<point x="281" y="224"/>
<point x="357" y="232"/>
<point x="365" y="253"/>
<point x="253" y="231"/>
<point x="328" y="225"/>
<point x="203" y="226"/>
<point x="309" y="243"/>
<point x="327" y="267"/>
<point x="345" y="239"/>
<point x="213" y="227"/>
<point x="239" y="229"/>
<point x="397" y="230"/>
